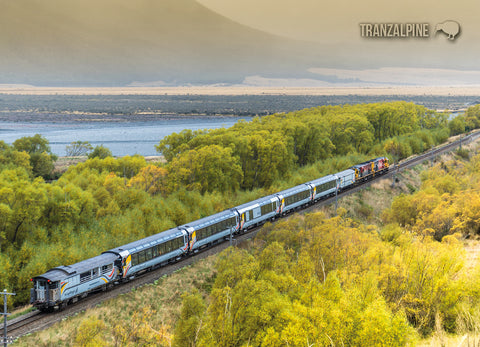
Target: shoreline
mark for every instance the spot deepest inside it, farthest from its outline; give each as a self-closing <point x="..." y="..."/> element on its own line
<point x="246" y="90"/>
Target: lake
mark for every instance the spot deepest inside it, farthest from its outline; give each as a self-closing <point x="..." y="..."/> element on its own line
<point x="122" y="138"/>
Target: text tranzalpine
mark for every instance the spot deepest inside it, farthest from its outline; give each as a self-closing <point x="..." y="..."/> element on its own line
<point x="405" y="30"/>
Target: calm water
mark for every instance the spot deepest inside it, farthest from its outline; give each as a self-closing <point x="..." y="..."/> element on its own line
<point x="121" y="138"/>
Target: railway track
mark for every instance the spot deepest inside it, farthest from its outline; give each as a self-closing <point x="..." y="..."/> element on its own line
<point x="36" y="320"/>
<point x="19" y="326"/>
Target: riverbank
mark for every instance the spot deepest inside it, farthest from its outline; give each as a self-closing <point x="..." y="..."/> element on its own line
<point x="63" y="163"/>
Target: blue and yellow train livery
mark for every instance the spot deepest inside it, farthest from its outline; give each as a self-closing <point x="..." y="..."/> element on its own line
<point x="65" y="284"/>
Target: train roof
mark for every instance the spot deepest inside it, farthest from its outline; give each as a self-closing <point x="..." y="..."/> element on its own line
<point x="217" y="217"/>
<point x="323" y="179"/>
<point x="64" y="271"/>
<point x="260" y="201"/>
<point x="148" y="242"/>
<point x="345" y="173"/>
<point x="300" y="188"/>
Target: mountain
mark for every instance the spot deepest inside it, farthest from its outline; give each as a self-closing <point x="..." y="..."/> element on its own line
<point x="119" y="42"/>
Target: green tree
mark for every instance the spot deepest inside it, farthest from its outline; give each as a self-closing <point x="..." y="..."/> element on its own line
<point x="11" y="158"/>
<point x="22" y="204"/>
<point x="191" y="320"/>
<point x="456" y="126"/>
<point x="207" y="169"/>
<point x="41" y="158"/>
<point x="101" y="152"/>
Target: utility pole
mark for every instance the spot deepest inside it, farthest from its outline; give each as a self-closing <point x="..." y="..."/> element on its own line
<point x="336" y="195"/>
<point x="5" y="314"/>
<point x="393" y="173"/>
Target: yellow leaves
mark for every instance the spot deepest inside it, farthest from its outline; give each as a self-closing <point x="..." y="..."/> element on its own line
<point x="380" y="327"/>
<point x="113" y="183"/>
<point x="304" y="269"/>
<point x="151" y="179"/>
<point x="89" y="333"/>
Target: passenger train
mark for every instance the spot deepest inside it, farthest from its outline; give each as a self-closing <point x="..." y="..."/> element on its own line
<point x="66" y="284"/>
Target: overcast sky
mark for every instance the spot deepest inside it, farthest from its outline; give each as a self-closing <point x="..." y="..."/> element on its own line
<point x="272" y="42"/>
<point x="435" y="60"/>
<point x="333" y="20"/>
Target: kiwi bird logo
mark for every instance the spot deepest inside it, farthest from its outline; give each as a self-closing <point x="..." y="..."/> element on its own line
<point x="449" y="28"/>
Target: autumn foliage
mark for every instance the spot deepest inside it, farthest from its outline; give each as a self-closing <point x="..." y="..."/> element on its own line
<point x="105" y="201"/>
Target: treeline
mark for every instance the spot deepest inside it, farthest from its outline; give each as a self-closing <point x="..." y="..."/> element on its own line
<point x="268" y="149"/>
<point x="105" y="202"/>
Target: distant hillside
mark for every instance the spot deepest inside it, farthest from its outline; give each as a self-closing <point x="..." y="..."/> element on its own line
<point x="117" y="42"/>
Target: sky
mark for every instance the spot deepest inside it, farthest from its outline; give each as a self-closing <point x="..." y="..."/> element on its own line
<point x="422" y="61"/>
<point x="323" y="21"/>
<point x="233" y="42"/>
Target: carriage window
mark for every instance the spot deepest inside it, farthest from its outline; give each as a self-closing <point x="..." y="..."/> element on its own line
<point x="85" y="276"/>
<point x="155" y="251"/>
<point x="148" y="254"/>
<point x="267" y="208"/>
<point x="106" y="268"/>
<point x="134" y="259"/>
<point x="95" y="272"/>
<point x="141" y="257"/>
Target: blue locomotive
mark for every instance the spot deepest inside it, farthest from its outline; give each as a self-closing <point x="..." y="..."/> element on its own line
<point x="66" y="284"/>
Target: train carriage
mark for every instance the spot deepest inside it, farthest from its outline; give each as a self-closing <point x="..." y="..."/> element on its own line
<point x="294" y="198"/>
<point x="257" y="212"/>
<point x="345" y="178"/>
<point x="66" y="283"/>
<point x="212" y="229"/>
<point x="150" y="252"/>
<point x="322" y="187"/>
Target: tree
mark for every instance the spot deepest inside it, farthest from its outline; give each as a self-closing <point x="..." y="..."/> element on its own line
<point x="11" y="158"/>
<point x="457" y="126"/>
<point x="78" y="148"/>
<point x="190" y="322"/>
<point x="151" y="179"/>
<point x="207" y="169"/>
<point x="89" y="332"/>
<point x="22" y="204"/>
<point x="101" y="152"/>
<point x="41" y="157"/>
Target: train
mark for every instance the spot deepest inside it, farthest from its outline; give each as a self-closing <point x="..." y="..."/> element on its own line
<point x="66" y="284"/>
